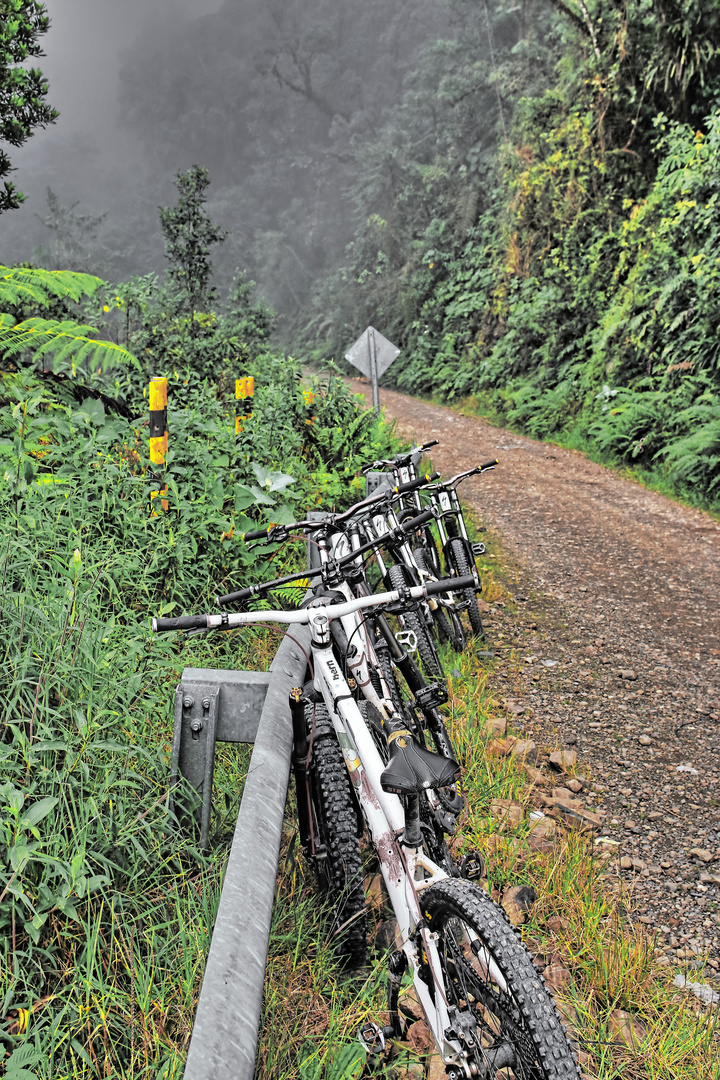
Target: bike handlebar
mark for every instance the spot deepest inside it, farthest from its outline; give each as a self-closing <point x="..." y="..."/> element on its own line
<point x="413" y="485"/>
<point x="400" y="459"/>
<point x="257" y="534"/>
<point x="467" y="472"/>
<point x="267" y="586"/>
<point x="454" y="584"/>
<point x="283" y="531"/>
<point x="416" y="522"/>
<point x="304" y="615"/>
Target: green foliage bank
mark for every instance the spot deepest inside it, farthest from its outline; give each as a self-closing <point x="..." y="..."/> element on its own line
<point x="564" y="273"/>
<point x="105" y="908"/>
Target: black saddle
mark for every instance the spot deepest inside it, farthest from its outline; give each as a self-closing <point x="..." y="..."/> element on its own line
<point x="412" y="769"/>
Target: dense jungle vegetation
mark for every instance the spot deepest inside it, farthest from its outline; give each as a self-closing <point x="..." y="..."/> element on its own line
<point x="523" y="196"/>
<point x="520" y="193"/>
<point x="105" y="908"/>
<point x="561" y="267"/>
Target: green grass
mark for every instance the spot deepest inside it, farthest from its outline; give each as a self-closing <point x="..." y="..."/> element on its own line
<point x="310" y="1003"/>
<point x="106" y="909"/>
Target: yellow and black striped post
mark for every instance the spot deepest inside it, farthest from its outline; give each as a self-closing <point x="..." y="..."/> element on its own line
<point x="244" y="391"/>
<point x="158" y="433"/>
<point x="309" y="399"/>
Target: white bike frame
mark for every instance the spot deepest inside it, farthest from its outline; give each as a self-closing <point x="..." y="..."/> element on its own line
<point x="407" y="871"/>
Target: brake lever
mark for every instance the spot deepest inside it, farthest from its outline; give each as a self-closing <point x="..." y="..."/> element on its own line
<point x="278" y="534"/>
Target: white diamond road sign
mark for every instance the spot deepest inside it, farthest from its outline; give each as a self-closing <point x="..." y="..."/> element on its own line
<point x="372" y="354"/>
<point x="359" y="354"/>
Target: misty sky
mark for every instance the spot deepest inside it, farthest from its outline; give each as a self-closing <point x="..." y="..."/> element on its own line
<point x="84" y="51"/>
<point x="222" y="83"/>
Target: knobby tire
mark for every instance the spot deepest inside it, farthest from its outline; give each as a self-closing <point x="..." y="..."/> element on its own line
<point x="448" y="625"/>
<point x="517" y="1029"/>
<point x="461" y="566"/>
<point x="335" y="821"/>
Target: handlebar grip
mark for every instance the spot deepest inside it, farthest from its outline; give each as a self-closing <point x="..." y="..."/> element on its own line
<point x="256" y="534"/>
<point x="236" y="597"/>
<point x="454" y="584"/>
<point x="416" y="522"/>
<point x="419" y="482"/>
<point x="427" y="445"/>
<point x="489" y="464"/>
<point x="183" y="622"/>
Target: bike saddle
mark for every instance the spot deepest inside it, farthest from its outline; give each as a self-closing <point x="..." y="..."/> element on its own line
<point x="412" y="769"/>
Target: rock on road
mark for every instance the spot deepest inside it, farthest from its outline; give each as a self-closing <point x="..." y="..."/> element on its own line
<point x="630" y="583"/>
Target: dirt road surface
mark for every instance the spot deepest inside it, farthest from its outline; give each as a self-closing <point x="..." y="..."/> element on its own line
<point x="621" y="588"/>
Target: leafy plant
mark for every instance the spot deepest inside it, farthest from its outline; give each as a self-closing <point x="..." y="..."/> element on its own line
<point x="22" y="104"/>
<point x="189" y="233"/>
<point x="66" y="347"/>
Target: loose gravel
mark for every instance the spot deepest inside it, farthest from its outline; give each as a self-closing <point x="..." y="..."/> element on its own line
<point x="609" y="645"/>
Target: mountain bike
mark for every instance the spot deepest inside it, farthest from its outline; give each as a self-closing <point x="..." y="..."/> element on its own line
<point x="422" y="562"/>
<point x="486" y="1005"/>
<point x="388" y="655"/>
<point x="459" y="552"/>
<point x="380" y="524"/>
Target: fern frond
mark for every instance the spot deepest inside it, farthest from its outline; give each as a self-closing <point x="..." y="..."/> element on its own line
<point x="19" y="285"/>
<point x="67" y="343"/>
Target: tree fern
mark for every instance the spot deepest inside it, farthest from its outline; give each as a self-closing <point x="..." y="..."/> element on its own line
<point x="64" y="345"/>
<point x="20" y="286"/>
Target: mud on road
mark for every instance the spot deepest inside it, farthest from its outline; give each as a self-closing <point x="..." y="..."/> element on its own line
<point x="621" y="587"/>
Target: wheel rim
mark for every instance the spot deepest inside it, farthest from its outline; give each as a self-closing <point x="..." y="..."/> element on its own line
<point x="503" y="1045"/>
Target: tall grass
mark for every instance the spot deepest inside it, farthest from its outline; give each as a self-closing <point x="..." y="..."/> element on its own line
<point x="106" y="908"/>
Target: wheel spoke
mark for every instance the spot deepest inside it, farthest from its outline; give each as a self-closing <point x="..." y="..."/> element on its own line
<point x="503" y="1015"/>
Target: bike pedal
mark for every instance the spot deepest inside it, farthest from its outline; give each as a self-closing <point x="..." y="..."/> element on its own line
<point x="408" y="640"/>
<point x="478" y="549"/>
<point x="372" y="1038"/>
<point x="472" y="866"/>
<point x="432" y="696"/>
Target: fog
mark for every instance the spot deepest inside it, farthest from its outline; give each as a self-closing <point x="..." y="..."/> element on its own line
<point x="89" y="156"/>
<point x="278" y="98"/>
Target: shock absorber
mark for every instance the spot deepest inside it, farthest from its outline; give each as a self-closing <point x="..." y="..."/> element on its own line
<point x="397" y="965"/>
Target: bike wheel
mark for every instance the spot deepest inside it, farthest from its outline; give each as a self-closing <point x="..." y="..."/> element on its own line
<point x="335" y="825"/>
<point x="507" y="1018"/>
<point x="413" y="620"/>
<point x="386" y="667"/>
<point x="461" y="566"/>
<point x="447" y="623"/>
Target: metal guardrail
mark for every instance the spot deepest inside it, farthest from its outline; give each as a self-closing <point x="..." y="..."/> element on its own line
<point x="214" y="706"/>
<point x="237" y="707"/>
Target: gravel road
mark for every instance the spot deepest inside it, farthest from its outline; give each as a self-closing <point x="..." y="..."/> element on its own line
<point x="621" y="587"/>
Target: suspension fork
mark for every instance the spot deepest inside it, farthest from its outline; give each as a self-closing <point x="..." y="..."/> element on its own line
<point x="301" y="749"/>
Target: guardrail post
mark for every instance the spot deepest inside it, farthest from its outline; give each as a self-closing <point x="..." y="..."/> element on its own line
<point x="211" y="706"/>
<point x="158" y="433"/>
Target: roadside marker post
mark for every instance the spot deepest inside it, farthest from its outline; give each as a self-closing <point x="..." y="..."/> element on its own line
<point x="157" y="395"/>
<point x="245" y="392"/>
